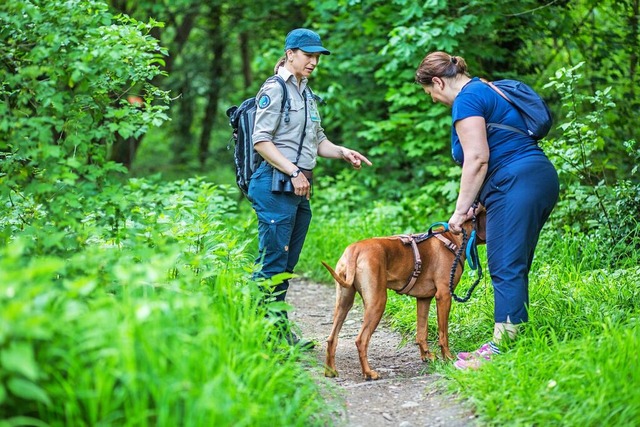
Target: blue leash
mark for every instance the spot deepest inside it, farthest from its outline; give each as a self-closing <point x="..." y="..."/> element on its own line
<point x="472" y="252"/>
<point x="472" y="260"/>
<point x="444" y="225"/>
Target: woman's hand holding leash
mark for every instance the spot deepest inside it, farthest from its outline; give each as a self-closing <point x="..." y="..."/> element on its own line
<point x="457" y="219"/>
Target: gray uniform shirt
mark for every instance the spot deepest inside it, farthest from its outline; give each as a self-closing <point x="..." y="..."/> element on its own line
<point x="270" y="124"/>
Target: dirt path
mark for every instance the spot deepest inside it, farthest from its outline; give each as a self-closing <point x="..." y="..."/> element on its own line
<point x="405" y="396"/>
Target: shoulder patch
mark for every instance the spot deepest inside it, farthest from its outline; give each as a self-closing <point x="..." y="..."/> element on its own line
<point x="264" y="101"/>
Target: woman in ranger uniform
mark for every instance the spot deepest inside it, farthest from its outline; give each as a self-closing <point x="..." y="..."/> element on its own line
<point x="289" y="141"/>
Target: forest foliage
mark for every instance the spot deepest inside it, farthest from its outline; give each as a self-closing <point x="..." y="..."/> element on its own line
<point x="116" y="176"/>
<point x="146" y="84"/>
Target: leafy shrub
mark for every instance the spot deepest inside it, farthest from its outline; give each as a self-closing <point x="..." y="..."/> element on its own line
<point x="151" y="320"/>
<point x="592" y="202"/>
<point x="67" y="72"/>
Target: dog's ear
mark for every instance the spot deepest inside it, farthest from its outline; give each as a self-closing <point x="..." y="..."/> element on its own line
<point x="481" y="224"/>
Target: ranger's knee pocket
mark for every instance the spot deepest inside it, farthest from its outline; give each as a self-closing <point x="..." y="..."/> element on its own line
<point x="275" y="231"/>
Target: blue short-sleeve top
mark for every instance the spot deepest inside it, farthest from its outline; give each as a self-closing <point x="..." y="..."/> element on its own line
<point x="478" y="99"/>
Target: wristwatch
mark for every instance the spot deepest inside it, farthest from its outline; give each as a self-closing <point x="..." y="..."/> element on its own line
<point x="295" y="173"/>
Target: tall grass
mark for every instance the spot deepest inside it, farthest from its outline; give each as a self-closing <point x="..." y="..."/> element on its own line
<point x="144" y="314"/>
<point x="196" y="357"/>
<point x="575" y="363"/>
<point x="151" y="321"/>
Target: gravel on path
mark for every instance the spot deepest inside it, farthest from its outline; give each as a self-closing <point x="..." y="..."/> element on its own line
<point x="405" y="396"/>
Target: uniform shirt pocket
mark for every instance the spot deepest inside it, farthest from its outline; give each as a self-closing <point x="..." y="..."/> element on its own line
<point x="297" y="105"/>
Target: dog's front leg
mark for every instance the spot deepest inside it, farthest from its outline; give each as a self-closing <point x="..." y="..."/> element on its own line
<point x="443" y="302"/>
<point x="422" y="329"/>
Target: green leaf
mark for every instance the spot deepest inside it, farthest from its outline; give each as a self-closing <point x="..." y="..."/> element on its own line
<point x="19" y="358"/>
<point x="28" y="390"/>
<point x="22" y="421"/>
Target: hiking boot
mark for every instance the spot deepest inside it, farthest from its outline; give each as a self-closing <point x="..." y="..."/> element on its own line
<point x="293" y="340"/>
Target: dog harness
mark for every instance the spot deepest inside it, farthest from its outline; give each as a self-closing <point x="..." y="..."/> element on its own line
<point x="414" y="239"/>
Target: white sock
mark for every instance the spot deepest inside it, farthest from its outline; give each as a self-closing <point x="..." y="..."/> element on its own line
<point x="500" y="329"/>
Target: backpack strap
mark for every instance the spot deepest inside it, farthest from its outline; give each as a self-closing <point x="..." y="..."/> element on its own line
<point x="506" y="127"/>
<point x="501" y="93"/>
<point x="286" y="106"/>
<point x="500" y="125"/>
<point x="286" y="102"/>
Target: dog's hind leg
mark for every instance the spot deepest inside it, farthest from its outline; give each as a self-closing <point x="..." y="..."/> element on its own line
<point x="374" y="305"/>
<point x="344" y="302"/>
<point x="422" y="329"/>
<point x="443" y="302"/>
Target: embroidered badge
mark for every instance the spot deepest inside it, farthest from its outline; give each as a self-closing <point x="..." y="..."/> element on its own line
<point x="313" y="112"/>
<point x="264" y="101"/>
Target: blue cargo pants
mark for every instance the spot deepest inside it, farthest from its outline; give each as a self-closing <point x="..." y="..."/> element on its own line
<point x="283" y="223"/>
<point x="519" y="198"/>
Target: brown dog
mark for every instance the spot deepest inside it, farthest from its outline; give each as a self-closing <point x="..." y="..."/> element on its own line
<point x="371" y="266"/>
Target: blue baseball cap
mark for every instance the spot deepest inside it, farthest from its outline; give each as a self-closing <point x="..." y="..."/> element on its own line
<point x="305" y="40"/>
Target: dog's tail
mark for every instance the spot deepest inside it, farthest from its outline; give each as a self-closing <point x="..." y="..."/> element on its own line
<point x="342" y="282"/>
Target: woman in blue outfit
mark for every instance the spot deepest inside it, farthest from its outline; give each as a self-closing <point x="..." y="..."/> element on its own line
<point x="510" y="175"/>
<point x="289" y="141"/>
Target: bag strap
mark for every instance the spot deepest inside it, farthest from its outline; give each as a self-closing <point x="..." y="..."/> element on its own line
<point x="286" y="103"/>
<point x="501" y="93"/>
<point x="286" y="106"/>
<point x="304" y="128"/>
<point x="506" y="127"/>
<point x="500" y="125"/>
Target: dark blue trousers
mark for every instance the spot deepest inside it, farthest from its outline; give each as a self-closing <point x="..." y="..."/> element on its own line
<point x="519" y="198"/>
<point x="283" y="223"/>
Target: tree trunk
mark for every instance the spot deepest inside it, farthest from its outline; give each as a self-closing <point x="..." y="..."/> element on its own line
<point x="633" y="46"/>
<point x="182" y="135"/>
<point x="245" y="53"/>
<point x="216" y="69"/>
<point x="124" y="151"/>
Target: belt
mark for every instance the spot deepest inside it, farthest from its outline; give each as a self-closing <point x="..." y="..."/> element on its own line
<point x="307" y="173"/>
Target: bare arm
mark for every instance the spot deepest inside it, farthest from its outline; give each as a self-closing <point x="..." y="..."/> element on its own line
<point x="329" y="150"/>
<point x="473" y="138"/>
<point x="326" y="148"/>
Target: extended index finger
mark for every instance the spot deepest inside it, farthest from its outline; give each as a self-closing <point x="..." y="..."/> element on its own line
<point x="364" y="159"/>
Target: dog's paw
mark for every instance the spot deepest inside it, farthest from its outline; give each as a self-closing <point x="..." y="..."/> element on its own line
<point x="330" y="373"/>
<point x="426" y="355"/>
<point x="446" y="355"/>
<point x="371" y="375"/>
